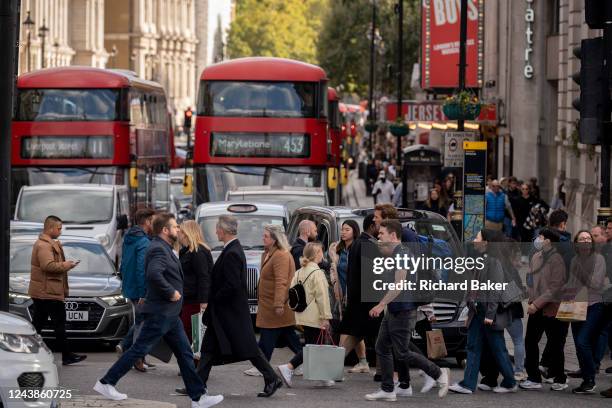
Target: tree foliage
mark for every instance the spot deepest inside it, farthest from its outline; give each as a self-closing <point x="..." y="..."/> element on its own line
<point x="276" y="28"/>
<point x="344" y="48"/>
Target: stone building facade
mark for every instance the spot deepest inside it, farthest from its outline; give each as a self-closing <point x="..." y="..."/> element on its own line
<point x="529" y="62"/>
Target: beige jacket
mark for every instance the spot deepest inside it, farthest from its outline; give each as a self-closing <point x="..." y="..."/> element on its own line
<point x="317" y="296"/>
<point x="49" y="273"/>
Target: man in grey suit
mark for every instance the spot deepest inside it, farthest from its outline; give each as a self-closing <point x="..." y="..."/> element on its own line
<point x="161" y="309"/>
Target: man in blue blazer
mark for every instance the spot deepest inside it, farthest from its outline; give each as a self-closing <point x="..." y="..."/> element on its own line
<point x="161" y="309"/>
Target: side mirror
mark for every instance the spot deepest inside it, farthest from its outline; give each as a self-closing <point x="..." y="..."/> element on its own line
<point x="332" y="178"/>
<point x="122" y="222"/>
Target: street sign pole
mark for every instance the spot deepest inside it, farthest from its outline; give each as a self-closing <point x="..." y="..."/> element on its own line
<point x="9" y="17"/>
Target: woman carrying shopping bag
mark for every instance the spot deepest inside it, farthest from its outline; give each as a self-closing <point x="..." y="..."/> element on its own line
<point x="587" y="275"/>
<point x="317" y="312"/>
<point x="196" y="261"/>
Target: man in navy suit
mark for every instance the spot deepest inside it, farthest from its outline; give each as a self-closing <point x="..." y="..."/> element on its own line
<point x="161" y="309"/>
<point x="229" y="333"/>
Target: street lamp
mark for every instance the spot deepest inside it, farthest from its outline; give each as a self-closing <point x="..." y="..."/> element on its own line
<point x="28" y="23"/>
<point x="56" y="46"/>
<point x="42" y="34"/>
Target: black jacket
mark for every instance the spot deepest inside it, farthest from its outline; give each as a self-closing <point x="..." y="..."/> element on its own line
<point x="297" y="250"/>
<point x="229" y="335"/>
<point x="197" y="267"/>
<point x="163" y="276"/>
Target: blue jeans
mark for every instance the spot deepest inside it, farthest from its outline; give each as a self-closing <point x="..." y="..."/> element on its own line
<point x="269" y="337"/>
<point x="603" y="343"/>
<point x="128" y="340"/>
<point x="586" y="336"/>
<point x="156" y="327"/>
<point x="478" y="335"/>
<point x="515" y="330"/>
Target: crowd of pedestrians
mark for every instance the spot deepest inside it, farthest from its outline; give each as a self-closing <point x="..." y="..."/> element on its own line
<point x="169" y="275"/>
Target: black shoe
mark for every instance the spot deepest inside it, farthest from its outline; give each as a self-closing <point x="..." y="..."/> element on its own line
<point x="377" y="378"/>
<point x="575" y="374"/>
<point x="607" y="393"/>
<point x="271" y="388"/>
<point x="585" y="388"/>
<point x="73" y="359"/>
<point x="609" y="370"/>
<point x="181" y="391"/>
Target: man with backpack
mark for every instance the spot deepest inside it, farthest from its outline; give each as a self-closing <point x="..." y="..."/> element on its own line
<point x="398" y="323"/>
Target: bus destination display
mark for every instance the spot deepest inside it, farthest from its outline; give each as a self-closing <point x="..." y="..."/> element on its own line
<point x="276" y="145"/>
<point x="67" y="147"/>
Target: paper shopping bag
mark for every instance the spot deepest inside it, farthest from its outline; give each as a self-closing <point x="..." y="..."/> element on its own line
<point x="323" y="362"/>
<point x="572" y="311"/>
<point x="436" y="348"/>
<point x="197" y="333"/>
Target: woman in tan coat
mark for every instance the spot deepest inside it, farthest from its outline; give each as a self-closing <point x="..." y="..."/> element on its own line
<point x="274" y="317"/>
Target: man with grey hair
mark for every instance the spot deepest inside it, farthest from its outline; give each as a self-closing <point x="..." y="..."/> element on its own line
<point x="229" y="334"/>
<point x="307" y="231"/>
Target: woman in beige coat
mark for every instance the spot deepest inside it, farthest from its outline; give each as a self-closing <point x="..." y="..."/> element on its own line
<point x="274" y="317"/>
<point x="317" y="314"/>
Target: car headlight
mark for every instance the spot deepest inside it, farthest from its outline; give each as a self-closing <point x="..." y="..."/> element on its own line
<point x="464" y="314"/>
<point x="18" y="298"/>
<point x="20" y="343"/>
<point x="115" y="300"/>
<point x="104" y="239"/>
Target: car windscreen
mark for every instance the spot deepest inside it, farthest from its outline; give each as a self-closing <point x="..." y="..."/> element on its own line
<point x="292" y="201"/>
<point x="71" y="206"/>
<point x="94" y="260"/>
<point x="250" y="230"/>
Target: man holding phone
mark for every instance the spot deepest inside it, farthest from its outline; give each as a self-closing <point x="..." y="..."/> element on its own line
<point x="49" y="285"/>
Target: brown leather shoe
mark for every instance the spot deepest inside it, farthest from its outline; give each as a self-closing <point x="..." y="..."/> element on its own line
<point x="139" y="365"/>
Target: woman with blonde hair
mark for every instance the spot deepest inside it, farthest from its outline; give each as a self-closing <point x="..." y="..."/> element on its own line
<point x="274" y="317"/>
<point x="317" y="314"/>
<point x="196" y="261"/>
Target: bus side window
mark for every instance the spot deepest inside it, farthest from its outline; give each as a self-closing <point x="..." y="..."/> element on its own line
<point x="135" y="108"/>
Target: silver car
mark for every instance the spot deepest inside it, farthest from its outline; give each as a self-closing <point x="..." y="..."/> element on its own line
<point x="252" y="217"/>
<point x="292" y="197"/>
<point x="95" y="308"/>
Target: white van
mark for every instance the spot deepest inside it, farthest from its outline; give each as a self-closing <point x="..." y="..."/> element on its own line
<point x="89" y="210"/>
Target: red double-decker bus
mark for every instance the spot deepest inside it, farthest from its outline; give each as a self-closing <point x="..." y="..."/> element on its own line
<point x="91" y="125"/>
<point x="260" y="121"/>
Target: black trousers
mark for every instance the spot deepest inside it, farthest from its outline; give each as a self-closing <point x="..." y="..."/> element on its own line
<point x="311" y="335"/>
<point x="45" y="308"/>
<point x="556" y="333"/>
<point x="259" y="362"/>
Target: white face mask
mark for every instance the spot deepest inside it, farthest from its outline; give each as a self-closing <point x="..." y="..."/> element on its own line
<point x="538" y="244"/>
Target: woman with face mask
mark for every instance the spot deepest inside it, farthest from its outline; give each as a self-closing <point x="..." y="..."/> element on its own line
<point x="585" y="284"/>
<point x="545" y="281"/>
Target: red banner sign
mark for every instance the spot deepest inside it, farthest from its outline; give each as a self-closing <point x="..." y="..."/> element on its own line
<point x="431" y="111"/>
<point x="440" y="43"/>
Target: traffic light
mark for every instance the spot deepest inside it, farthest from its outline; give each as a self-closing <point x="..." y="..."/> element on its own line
<point x="597" y="12"/>
<point x="594" y="101"/>
<point x="187" y="119"/>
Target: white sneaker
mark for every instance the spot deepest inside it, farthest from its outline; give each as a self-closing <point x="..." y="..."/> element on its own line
<point x="360" y="368"/>
<point x="520" y="376"/>
<point x="285" y="374"/>
<point x="459" y="389"/>
<point x="108" y="391"/>
<point x="530" y="385"/>
<point x="559" y="386"/>
<point x="253" y="372"/>
<point x="298" y="372"/>
<point x="326" y="383"/>
<point x="381" y="395"/>
<point x="403" y="392"/>
<point x="207" y="401"/>
<point x="443" y="382"/>
<point x="484" y="387"/>
<point x="504" y="390"/>
<point x="429" y="383"/>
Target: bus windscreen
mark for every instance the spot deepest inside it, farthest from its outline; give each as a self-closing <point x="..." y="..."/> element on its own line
<point x="51" y="105"/>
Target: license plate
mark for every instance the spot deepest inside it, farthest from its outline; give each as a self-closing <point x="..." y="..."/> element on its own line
<point x="415" y="335"/>
<point x="253" y="309"/>
<point x="77" y="315"/>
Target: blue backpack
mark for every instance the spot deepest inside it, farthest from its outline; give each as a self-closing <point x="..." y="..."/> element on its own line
<point x="435" y="246"/>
